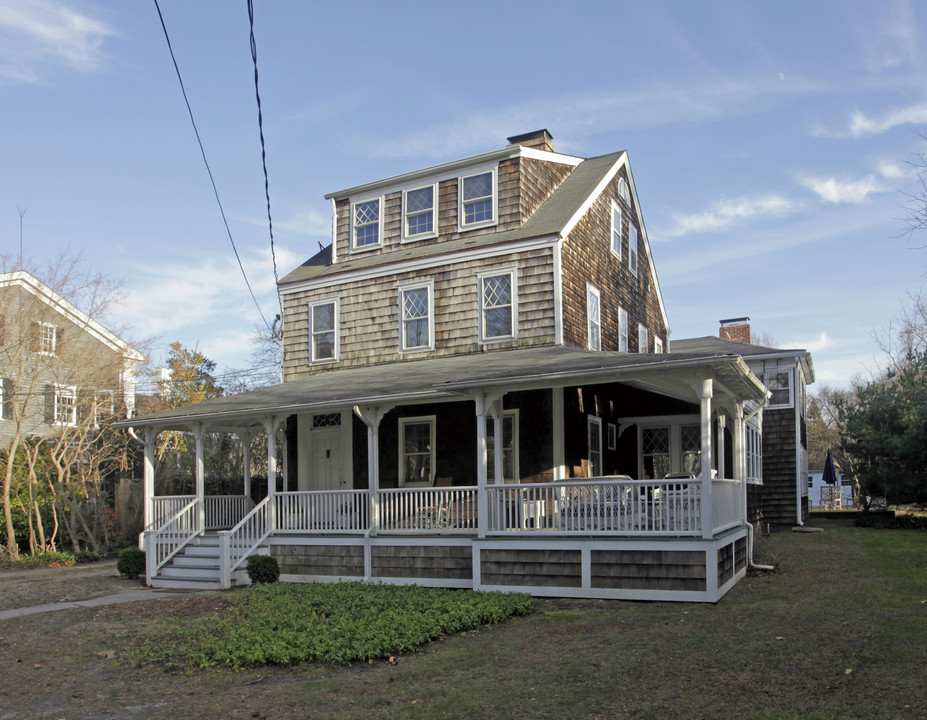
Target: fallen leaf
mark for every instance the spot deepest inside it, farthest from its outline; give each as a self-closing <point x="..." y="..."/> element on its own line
<point x="415" y="702"/>
<point x="37" y="666"/>
<point x="848" y="671"/>
<point x="780" y="637"/>
<point x="106" y="654"/>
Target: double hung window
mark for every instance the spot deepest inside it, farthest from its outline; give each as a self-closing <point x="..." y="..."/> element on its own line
<point x="48" y="338"/>
<point x="416" y="450"/>
<point x="622" y="330"/>
<point x="477" y="199"/>
<point x="616" y="230"/>
<point x="642" y="339"/>
<point x="366" y="223"/>
<point x="779" y="383"/>
<point x="593" y="318"/>
<point x="418" y="207"/>
<point x="497" y="306"/>
<point x="632" y="248"/>
<point x="64" y="400"/>
<point x="416" y="312"/>
<point x="323" y="331"/>
<point x="594" y="432"/>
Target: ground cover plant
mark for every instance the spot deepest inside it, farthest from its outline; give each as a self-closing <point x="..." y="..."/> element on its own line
<point x="287" y="624"/>
<point x="837" y="631"/>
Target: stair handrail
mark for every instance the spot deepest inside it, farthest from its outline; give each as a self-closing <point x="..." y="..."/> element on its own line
<point x="166" y="541"/>
<point x="238" y="543"/>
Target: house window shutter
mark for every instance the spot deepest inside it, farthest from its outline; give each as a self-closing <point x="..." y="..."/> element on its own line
<point x="50" y="404"/>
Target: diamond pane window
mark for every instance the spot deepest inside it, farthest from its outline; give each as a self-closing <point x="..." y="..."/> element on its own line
<point x="416" y="319"/>
<point x="691" y="447"/>
<point x="367" y="223"/>
<point x="655" y="452"/>
<point x="419" y="208"/>
<point x="477" y="199"/>
<point x="497" y="299"/>
<point x="328" y="420"/>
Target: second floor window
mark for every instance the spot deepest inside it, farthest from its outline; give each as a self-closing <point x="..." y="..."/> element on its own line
<point x="323" y="340"/>
<point x="780" y="385"/>
<point x="497" y="304"/>
<point x="642" y="339"/>
<point x="594" y="319"/>
<point x="477" y="200"/>
<point x="418" y="213"/>
<point x="632" y="248"/>
<point x="415" y="309"/>
<point x="366" y="227"/>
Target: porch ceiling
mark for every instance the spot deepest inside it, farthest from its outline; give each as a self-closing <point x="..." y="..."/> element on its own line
<point x="441" y="379"/>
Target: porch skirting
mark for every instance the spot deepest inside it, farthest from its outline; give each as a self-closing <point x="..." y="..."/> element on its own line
<point x="665" y="569"/>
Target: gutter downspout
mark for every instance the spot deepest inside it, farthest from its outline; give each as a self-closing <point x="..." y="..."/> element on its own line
<point x="750" y="562"/>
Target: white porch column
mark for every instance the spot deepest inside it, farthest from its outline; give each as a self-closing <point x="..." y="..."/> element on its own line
<point x="270" y="428"/>
<point x="495" y="412"/>
<point x="740" y="456"/>
<point x="705" y="395"/>
<point x="372" y="416"/>
<point x="148" y="477"/>
<point x="484" y="406"/>
<point x="722" y="424"/>
<point x="199" y="431"/>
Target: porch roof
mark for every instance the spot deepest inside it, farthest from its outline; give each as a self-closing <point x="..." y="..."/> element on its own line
<point x="437" y="379"/>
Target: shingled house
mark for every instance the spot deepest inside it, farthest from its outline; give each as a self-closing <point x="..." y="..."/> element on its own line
<point x="477" y="394"/>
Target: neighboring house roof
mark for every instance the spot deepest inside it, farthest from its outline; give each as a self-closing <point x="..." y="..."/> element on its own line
<point x="423" y="381"/>
<point x="86" y="323"/>
<point x="712" y="345"/>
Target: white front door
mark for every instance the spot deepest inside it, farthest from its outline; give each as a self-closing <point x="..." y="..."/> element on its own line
<point x="327" y="470"/>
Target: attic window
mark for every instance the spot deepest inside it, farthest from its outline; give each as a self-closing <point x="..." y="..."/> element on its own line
<point x="616" y="230"/>
<point x="478" y="200"/>
<point x="418" y="207"/>
<point x="632" y="248"/>
<point x="49" y="338"/>
<point x="366" y="223"/>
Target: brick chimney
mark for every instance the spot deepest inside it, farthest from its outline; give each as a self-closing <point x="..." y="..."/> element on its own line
<point x="539" y="139"/>
<point x="736" y="329"/>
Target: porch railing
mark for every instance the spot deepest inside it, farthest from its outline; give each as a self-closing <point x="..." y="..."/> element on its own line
<point x="243" y="539"/>
<point x="329" y="511"/>
<point x="163" y="507"/>
<point x="416" y="510"/>
<point x="168" y="539"/>
<point x="602" y="506"/>
<point x="727" y="503"/>
<point x="226" y="511"/>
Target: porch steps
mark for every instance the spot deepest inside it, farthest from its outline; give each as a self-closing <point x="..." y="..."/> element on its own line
<point x="196" y="567"/>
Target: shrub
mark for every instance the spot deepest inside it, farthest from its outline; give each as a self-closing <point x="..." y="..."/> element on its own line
<point x="262" y="569"/>
<point x="131" y="562"/>
<point x="87" y="556"/>
<point x="891" y="521"/>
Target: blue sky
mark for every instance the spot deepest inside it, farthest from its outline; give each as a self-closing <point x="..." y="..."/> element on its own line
<point x="770" y="144"/>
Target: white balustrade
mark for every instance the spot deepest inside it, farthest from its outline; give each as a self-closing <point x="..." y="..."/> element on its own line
<point x="225" y="511"/>
<point x="727" y="503"/>
<point x="428" y="510"/>
<point x="328" y="511"/>
<point x="169" y="538"/>
<point x="164" y="507"/>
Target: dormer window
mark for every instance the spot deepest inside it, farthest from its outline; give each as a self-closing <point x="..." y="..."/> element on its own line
<point x="478" y="200"/>
<point x="418" y="213"/>
<point x="366" y="224"/>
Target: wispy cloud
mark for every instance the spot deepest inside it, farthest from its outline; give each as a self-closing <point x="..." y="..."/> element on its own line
<point x="727" y="211"/>
<point x="38" y="34"/>
<point x="891" y="40"/>
<point x="891" y="170"/>
<point x="862" y="125"/>
<point x="844" y="192"/>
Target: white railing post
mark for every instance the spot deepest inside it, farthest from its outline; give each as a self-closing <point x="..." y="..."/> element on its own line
<point x="199" y="433"/>
<point x="225" y="559"/>
<point x="151" y="559"/>
<point x="148" y="476"/>
<point x="270" y="428"/>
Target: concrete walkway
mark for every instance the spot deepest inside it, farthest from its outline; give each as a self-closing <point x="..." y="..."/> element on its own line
<point x="115" y="597"/>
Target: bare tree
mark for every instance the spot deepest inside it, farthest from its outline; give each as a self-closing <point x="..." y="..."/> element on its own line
<point x="64" y="377"/>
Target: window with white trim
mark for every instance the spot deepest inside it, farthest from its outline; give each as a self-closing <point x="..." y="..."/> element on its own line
<point x="632" y="248"/>
<point x="657" y="345"/>
<point x="477" y="199"/>
<point x="104" y="407"/>
<point x="416" y="450"/>
<point x="593" y="318"/>
<point x="65" y="405"/>
<point x="366" y="226"/>
<point x="509" y="447"/>
<point x="616" y="230"/>
<point x="594" y="433"/>
<point x="779" y="383"/>
<point x="642" y="339"/>
<point x="418" y="213"/>
<point x="416" y="318"/>
<point x="622" y="330"/>
<point x="690" y="449"/>
<point x="497" y="306"/>
<point x="754" y="453"/>
<point x="655" y="452"/>
<point x="323" y="331"/>
<point x="48" y="340"/>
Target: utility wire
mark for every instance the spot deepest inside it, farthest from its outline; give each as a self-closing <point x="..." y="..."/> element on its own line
<point x="208" y="170"/>
<point x="257" y="94"/>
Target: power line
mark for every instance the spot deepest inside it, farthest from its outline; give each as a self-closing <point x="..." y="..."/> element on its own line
<point x="257" y="95"/>
<point x="208" y="170"/>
